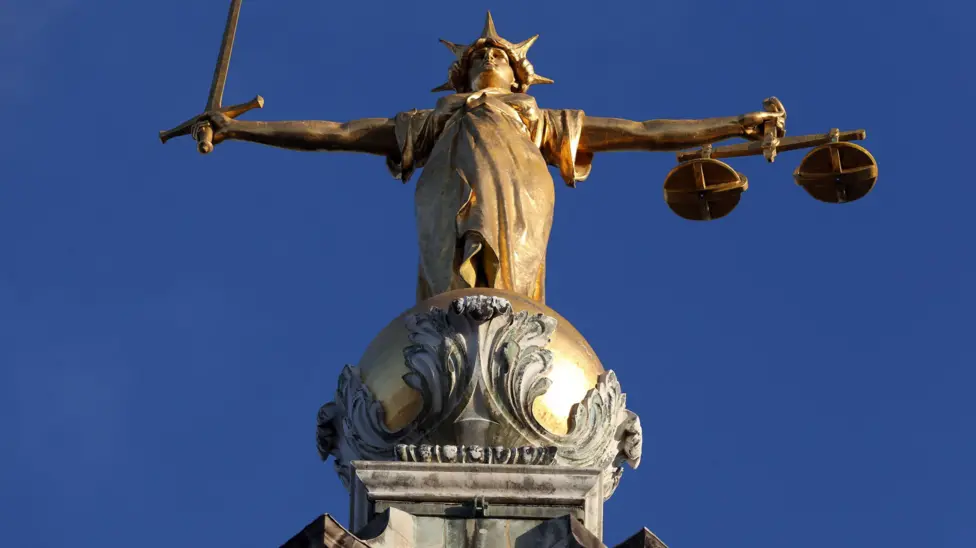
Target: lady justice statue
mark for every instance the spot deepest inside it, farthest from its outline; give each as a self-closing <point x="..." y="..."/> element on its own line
<point x="481" y="371"/>
<point x="484" y="201"/>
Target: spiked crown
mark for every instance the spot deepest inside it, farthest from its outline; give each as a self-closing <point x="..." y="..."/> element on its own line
<point x="525" y="76"/>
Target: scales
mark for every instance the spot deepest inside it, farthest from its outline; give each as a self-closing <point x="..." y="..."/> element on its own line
<point x="702" y="188"/>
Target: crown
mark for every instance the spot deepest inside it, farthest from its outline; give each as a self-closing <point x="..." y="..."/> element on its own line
<point x="524" y="72"/>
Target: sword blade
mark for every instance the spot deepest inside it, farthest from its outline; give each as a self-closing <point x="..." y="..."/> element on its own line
<point x="223" y="57"/>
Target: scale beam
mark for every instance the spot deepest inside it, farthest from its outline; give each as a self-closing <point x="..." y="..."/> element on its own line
<point x="785" y="144"/>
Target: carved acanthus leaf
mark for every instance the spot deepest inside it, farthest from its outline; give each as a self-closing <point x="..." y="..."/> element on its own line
<point x="517" y="374"/>
<point x="437" y="362"/>
<point x="353" y="427"/>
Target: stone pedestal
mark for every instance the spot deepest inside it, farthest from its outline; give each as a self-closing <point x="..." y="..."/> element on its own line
<point x="520" y="496"/>
<point x="479" y="418"/>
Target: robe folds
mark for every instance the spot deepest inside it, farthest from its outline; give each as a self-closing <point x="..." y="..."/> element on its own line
<point x="484" y="201"/>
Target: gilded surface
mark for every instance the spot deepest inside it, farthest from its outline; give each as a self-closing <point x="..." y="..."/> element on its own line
<point x="484" y="202"/>
<point x="576" y="367"/>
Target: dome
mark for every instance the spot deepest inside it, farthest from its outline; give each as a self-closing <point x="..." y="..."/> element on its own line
<point x="480" y="376"/>
<point x="575" y="368"/>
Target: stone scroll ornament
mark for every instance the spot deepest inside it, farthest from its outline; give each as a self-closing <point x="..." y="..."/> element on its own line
<point x="480" y="349"/>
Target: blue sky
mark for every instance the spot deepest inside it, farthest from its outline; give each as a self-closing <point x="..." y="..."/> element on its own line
<point x="170" y="322"/>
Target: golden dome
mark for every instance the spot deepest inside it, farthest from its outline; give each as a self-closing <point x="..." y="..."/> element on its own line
<point x="575" y="367"/>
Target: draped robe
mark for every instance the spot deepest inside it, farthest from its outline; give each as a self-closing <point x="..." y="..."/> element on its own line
<point x="484" y="201"/>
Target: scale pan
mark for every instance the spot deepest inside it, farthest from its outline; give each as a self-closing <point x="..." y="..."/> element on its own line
<point x="703" y="189"/>
<point x="837" y="172"/>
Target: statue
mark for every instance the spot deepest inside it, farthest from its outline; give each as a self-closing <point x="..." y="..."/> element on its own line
<point x="481" y="391"/>
<point x="484" y="201"/>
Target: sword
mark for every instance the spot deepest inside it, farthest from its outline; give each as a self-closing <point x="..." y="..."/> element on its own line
<point x="199" y="126"/>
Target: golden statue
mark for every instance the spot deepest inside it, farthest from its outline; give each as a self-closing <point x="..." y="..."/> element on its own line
<point x="484" y="201"/>
<point x="481" y="363"/>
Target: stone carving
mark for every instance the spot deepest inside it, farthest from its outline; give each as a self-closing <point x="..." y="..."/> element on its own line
<point x="481" y="308"/>
<point x="479" y="350"/>
<point x="476" y="454"/>
<point x="352" y="427"/>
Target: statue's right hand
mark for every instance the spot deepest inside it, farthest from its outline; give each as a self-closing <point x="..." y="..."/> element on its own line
<point x="219" y="121"/>
<point x="211" y="128"/>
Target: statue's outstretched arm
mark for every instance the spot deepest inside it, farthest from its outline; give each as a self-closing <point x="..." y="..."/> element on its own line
<point x="614" y="134"/>
<point x="369" y="135"/>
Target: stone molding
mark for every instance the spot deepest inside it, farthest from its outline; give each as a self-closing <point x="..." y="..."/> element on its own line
<point x="523" y="485"/>
<point x="437" y="482"/>
<point x="539" y="456"/>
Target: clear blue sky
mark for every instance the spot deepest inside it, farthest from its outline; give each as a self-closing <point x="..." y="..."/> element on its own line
<point x="170" y="323"/>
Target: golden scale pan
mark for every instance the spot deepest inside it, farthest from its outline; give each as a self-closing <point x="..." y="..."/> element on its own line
<point x="701" y="188"/>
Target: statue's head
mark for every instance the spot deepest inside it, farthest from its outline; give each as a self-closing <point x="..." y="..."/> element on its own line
<point x="490" y="67"/>
<point x="491" y="62"/>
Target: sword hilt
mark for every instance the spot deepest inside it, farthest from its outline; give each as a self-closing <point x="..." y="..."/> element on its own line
<point x="203" y="134"/>
<point x="200" y="128"/>
<point x="770" y="134"/>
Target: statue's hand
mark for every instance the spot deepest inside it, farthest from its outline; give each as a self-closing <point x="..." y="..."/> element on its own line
<point x="218" y="122"/>
<point x="753" y="122"/>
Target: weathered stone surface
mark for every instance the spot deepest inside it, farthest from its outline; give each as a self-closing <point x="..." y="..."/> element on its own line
<point x="448" y="482"/>
<point x="397" y="529"/>
<point x="490" y="490"/>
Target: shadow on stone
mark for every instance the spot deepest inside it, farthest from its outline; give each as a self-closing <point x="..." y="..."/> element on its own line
<point x="565" y="531"/>
<point x="643" y="539"/>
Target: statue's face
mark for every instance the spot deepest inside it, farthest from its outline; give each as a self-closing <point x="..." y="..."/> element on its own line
<point x="490" y="68"/>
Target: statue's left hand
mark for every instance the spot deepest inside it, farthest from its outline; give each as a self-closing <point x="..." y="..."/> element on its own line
<point x="753" y="122"/>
